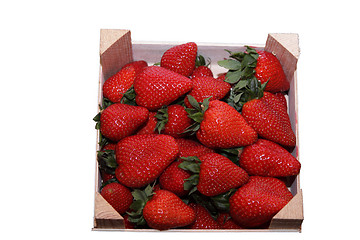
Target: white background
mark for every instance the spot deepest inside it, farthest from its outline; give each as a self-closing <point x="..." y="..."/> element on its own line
<point x="49" y="73"/>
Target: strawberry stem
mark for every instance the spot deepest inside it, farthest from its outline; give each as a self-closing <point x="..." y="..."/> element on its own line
<point x="241" y="74"/>
<point x="196" y="113"/>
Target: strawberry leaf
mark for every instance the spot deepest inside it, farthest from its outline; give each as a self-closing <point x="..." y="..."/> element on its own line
<point x="230" y="64"/>
<point x="162" y="117"/>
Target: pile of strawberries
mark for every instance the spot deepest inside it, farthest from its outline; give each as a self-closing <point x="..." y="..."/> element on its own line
<point x="182" y="148"/>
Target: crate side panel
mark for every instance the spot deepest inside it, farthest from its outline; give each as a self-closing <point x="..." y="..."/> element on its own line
<point x="115" y="52"/>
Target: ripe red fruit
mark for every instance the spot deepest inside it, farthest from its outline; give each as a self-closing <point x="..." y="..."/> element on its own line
<point x="115" y="86"/>
<point x="149" y="126"/>
<point x="226" y="222"/>
<point x="165" y="210"/>
<point x="270" y="120"/>
<point x="173" y="120"/>
<point x="258" y="201"/>
<point x="188" y="148"/>
<point x="142" y="158"/>
<point x="157" y="86"/>
<point x="173" y="179"/>
<point x="118" y="196"/>
<point x="268" y="159"/>
<point x="138" y="65"/>
<point x="121" y="120"/>
<point x="218" y="175"/>
<point x="180" y="58"/>
<point x="223" y="127"/>
<point x="268" y="68"/>
<point x="203" y="218"/>
<point x="202" y="71"/>
<point x="204" y="87"/>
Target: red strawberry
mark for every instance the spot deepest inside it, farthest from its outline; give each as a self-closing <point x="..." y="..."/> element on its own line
<point x="173" y="179"/>
<point x="226" y="222"/>
<point x="118" y="196"/>
<point x="188" y="148"/>
<point x="203" y="219"/>
<point x="173" y="120"/>
<point x="268" y="159"/>
<point x="281" y="97"/>
<point x="221" y="126"/>
<point x="165" y="210"/>
<point x="157" y="86"/>
<point x="180" y="58"/>
<point x="128" y="224"/>
<point x="258" y="201"/>
<point x="202" y="71"/>
<point x="268" y="68"/>
<point x="142" y="158"/>
<point x="138" y="65"/>
<point x="115" y="86"/>
<point x="218" y="175"/>
<point x="204" y="87"/>
<point x="150" y="125"/>
<point x="121" y="120"/>
<point x="270" y="120"/>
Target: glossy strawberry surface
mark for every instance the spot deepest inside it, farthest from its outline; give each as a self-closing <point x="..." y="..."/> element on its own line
<point x="224" y="127"/>
<point x="121" y="120"/>
<point x="258" y="201"/>
<point x="218" y="175"/>
<point x="268" y="159"/>
<point x="165" y="210"/>
<point x="268" y="68"/>
<point x="157" y="86"/>
<point x="142" y="158"/>
<point x="180" y="58"/>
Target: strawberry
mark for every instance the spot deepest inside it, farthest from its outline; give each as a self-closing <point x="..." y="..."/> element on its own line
<point x="268" y="159"/>
<point x="261" y="65"/>
<point x="173" y="179"/>
<point x="118" y="196"/>
<point x="188" y="148"/>
<point x="268" y="68"/>
<point x="173" y="120"/>
<point x="270" y="120"/>
<point x="180" y="58"/>
<point x="258" y="201"/>
<point x="150" y="126"/>
<point x="137" y="65"/>
<point x="157" y="86"/>
<point x="282" y="98"/>
<point x="142" y="158"/>
<point x="221" y="126"/>
<point x="203" y="219"/>
<point x="226" y="222"/>
<point x="121" y="120"/>
<point x="165" y="210"/>
<point x="204" y="87"/>
<point x="202" y="71"/>
<point x="218" y="175"/>
<point x="115" y="86"/>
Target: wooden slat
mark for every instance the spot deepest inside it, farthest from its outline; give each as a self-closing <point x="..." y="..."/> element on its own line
<point x="115" y="50"/>
<point x="286" y="48"/>
<point x="291" y="216"/>
<point x="105" y="215"/>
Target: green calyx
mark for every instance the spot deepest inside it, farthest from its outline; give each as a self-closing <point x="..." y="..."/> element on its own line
<point x="141" y="197"/>
<point x="241" y="74"/>
<point x="129" y="97"/>
<point x="162" y="117"/>
<point x="107" y="161"/>
<point x="196" y="113"/>
<point x="191" y="164"/>
<point x="201" y="61"/>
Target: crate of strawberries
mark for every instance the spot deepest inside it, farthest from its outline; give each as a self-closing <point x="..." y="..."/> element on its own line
<point x="195" y="136"/>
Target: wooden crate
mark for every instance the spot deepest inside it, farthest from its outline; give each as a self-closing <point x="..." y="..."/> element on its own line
<point x="117" y="49"/>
